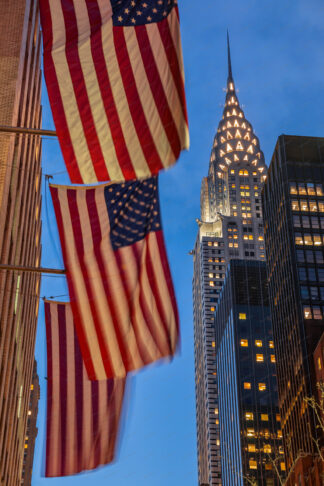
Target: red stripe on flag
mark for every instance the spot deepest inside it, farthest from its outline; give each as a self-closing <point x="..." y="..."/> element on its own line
<point x="46" y="21"/>
<point x="79" y="407"/>
<point x="77" y="317"/>
<point x="63" y="382"/>
<point x="97" y="238"/>
<point x="48" y="323"/>
<point x="168" y="277"/>
<point x="173" y="60"/>
<point x="135" y="105"/>
<point x="146" y="306"/>
<point x="117" y="135"/>
<point x="80" y="90"/>
<point x="96" y="426"/>
<point x="78" y="238"/>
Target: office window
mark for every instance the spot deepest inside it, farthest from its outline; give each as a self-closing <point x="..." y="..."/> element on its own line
<point x="278" y="417"/>
<point x="317" y="313"/>
<point x="319" y="363"/>
<point x="282" y="466"/>
<point x="279" y="434"/>
<point x="271" y="345"/>
<point x="249" y="416"/>
<point x="272" y="358"/>
<point x="252" y="464"/>
<point x="304" y="205"/>
<point x="304" y="292"/>
<point x="267" y="448"/>
<point x="295" y="205"/>
<point x="307" y="312"/>
<point x="242" y="316"/>
<point x="313" y="206"/>
<point x="244" y="343"/>
<point x="247" y="385"/>
<point x="262" y="386"/>
<point x="264" y="417"/>
<point x="259" y="358"/>
<point x="251" y="448"/>
<point x="250" y="432"/>
<point x="258" y="343"/>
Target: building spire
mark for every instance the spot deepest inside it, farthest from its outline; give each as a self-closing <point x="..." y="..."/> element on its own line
<point x="230" y="76"/>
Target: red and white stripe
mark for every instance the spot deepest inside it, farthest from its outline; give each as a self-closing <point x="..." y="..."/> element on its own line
<point x="117" y="93"/>
<point x="82" y="415"/>
<point x="123" y="301"/>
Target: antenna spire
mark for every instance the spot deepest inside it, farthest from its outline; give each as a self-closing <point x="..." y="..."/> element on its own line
<point x="230" y="76"/>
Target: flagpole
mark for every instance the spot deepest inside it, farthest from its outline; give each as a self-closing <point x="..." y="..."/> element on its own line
<point x="28" y="131"/>
<point x="18" y="268"/>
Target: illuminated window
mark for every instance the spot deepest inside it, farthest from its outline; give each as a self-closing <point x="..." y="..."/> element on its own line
<point x="268" y="467"/>
<point x="298" y="239"/>
<point x="313" y="206"/>
<point x="244" y="343"/>
<point x="26" y="446"/>
<point x="250" y="149"/>
<point x="262" y="386"/>
<point x="211" y="284"/>
<point x="216" y="421"/>
<point x="247" y="385"/>
<point x="260" y="238"/>
<point x="29" y="412"/>
<point x="217" y="442"/>
<point x="258" y="343"/>
<point x="307" y="312"/>
<point x="267" y="448"/>
<point x="282" y="466"/>
<point x="272" y="358"/>
<point x="295" y="205"/>
<point x="250" y="432"/>
<point x="216" y="411"/>
<point x="317" y="313"/>
<point x="304" y="205"/>
<point x="212" y="309"/>
<point x="271" y="345"/>
<point x="242" y="316"/>
<point x="31" y="386"/>
<point x="213" y="344"/>
<point x="259" y="358"/>
<point x="319" y="363"/>
<point x="317" y="240"/>
<point x="210" y="275"/>
<point x="252" y="464"/>
<point x="264" y="417"/>
<point x="210" y="243"/>
<point x="279" y="434"/>
<point x="251" y="448"/>
<point x="232" y="171"/>
<point x="248" y="415"/>
<point x="229" y="148"/>
<point x="250" y="237"/>
<point x="278" y="417"/>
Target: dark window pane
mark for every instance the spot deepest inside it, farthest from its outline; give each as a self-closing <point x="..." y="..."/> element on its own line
<point x="309" y="256"/>
<point x="302" y="273"/>
<point x="314" y="293"/>
<point x="320" y="274"/>
<point x="319" y="257"/>
<point x="312" y="274"/>
<point x="304" y="292"/>
<point x="300" y="256"/>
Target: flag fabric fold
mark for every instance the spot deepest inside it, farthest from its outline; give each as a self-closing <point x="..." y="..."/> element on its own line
<point x="115" y="79"/>
<point x="82" y="415"/>
<point x="118" y="275"/>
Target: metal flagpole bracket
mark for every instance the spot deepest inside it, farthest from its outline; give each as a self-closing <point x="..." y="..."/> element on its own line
<point x="28" y="131"/>
<point x="19" y="268"/>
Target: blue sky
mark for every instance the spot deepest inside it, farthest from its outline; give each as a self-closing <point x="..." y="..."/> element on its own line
<point x="278" y="66"/>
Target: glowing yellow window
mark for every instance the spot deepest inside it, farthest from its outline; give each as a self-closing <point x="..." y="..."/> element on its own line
<point x="250" y="237"/>
<point x="217" y="442"/>
<point x="271" y="345"/>
<point x="260" y="238"/>
<point x="259" y="358"/>
<point x="210" y="243"/>
<point x="258" y="343"/>
<point x="244" y="343"/>
<point x="248" y="415"/>
<point x="273" y="358"/>
<point x="31" y="386"/>
<point x="210" y="275"/>
<point x="250" y="432"/>
<point x="267" y="448"/>
<point x="216" y="411"/>
<point x="268" y="467"/>
<point x="212" y="309"/>
<point x="213" y="344"/>
<point x="217" y="422"/>
<point x="252" y="464"/>
<point x="319" y="363"/>
<point x="247" y="385"/>
<point x="26" y="446"/>
<point x="262" y="386"/>
<point x="242" y="316"/>
<point x="279" y="434"/>
<point x="282" y="466"/>
<point x="211" y="284"/>
<point x="264" y="417"/>
<point x="232" y="171"/>
<point x="278" y="417"/>
<point x="251" y="448"/>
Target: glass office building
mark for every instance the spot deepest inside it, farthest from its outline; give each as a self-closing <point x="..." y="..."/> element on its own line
<point x="248" y="414"/>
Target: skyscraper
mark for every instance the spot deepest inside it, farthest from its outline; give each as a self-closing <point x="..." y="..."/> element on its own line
<point x="250" y="433"/>
<point x="20" y="224"/>
<point x="230" y="227"/>
<point x="293" y="202"/>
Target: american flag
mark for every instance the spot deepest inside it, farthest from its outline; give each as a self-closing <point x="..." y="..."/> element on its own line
<point x="114" y="75"/>
<point x="118" y="275"/>
<point x="82" y="415"/>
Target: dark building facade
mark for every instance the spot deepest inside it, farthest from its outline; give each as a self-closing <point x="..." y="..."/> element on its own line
<point x="20" y="225"/>
<point x="250" y="434"/>
<point x="293" y="205"/>
<point x="32" y="430"/>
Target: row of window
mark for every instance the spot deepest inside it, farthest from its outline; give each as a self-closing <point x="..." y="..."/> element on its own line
<point x="308" y="221"/>
<point x="258" y="343"/>
<point x="248" y="386"/>
<point x="310" y="206"/>
<point x="259" y="358"/>
<point x="312" y="274"/>
<point x="313" y="312"/>
<point x="312" y="293"/>
<point x="310" y="256"/>
<point x="254" y="465"/>
<point x="250" y="432"/>
<point x="264" y="416"/>
<point x="308" y="239"/>
<point x="309" y="189"/>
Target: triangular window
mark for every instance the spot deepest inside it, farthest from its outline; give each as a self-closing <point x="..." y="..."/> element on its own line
<point x="229" y="125"/>
<point x="229" y="136"/>
<point x="239" y="146"/>
<point x="229" y="148"/>
<point x="236" y="124"/>
<point x="238" y="134"/>
<point x="250" y="149"/>
<point x="236" y="159"/>
<point x="221" y="153"/>
<point x="246" y="158"/>
<point x="254" y="141"/>
<point x="222" y="139"/>
<point x="247" y="136"/>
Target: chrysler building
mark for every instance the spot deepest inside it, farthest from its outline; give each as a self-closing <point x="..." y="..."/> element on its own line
<point x="230" y="227"/>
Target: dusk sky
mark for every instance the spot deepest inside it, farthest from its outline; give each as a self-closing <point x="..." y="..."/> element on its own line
<point x="277" y="51"/>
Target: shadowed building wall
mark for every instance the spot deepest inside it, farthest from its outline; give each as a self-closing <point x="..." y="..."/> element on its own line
<point x="20" y="225"/>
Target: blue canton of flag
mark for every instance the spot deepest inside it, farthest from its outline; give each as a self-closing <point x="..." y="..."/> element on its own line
<point x="140" y="12"/>
<point x="133" y="209"/>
